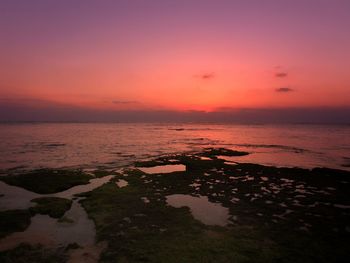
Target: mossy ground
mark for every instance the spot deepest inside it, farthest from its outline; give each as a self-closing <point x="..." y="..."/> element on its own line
<point x="213" y="152"/>
<point x="13" y="221"/>
<point x="102" y="173"/>
<point x="278" y="214"/>
<point x="52" y="206"/>
<point x="33" y="254"/>
<point x="154" y="232"/>
<point x="47" y="181"/>
<point x="18" y="220"/>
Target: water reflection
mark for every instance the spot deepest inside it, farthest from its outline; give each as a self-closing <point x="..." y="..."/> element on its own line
<point x="18" y="198"/>
<point x="15" y="197"/>
<point x="280" y="159"/>
<point x="121" y="183"/>
<point x="163" y="169"/>
<point x="75" y="228"/>
<point x="56" y="145"/>
<point x="203" y="210"/>
<point x="52" y="233"/>
<point x="93" y="183"/>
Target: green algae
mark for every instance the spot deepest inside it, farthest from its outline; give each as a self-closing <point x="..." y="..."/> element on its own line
<point x="73" y="246"/>
<point x="13" y="221"/>
<point x="277" y="214"/>
<point x="47" y="181"/>
<point x="25" y="253"/>
<point x="101" y="173"/>
<point x="53" y="206"/>
<point x="257" y="196"/>
<point x="213" y="152"/>
<point x="154" y="232"/>
<point x="18" y="220"/>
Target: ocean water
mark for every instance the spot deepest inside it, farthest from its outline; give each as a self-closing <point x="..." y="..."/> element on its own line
<point x="54" y="145"/>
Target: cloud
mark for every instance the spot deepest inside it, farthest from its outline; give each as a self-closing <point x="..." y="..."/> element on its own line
<point x="205" y="76"/>
<point x="124" y="102"/>
<point x="284" y="89"/>
<point x="281" y="74"/>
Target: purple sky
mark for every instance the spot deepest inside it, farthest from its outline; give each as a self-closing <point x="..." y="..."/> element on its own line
<point x="102" y="57"/>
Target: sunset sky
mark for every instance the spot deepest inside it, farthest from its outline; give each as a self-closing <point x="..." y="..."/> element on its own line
<point x="177" y="55"/>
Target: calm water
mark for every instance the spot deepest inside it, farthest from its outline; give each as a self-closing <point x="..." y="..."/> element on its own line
<point x="30" y="146"/>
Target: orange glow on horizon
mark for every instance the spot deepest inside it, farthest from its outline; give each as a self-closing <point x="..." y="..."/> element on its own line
<point x="160" y="62"/>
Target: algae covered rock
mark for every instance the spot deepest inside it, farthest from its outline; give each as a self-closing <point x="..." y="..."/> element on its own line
<point x="13" y="221"/>
<point x="47" y="181"/>
<point x="52" y="206"/>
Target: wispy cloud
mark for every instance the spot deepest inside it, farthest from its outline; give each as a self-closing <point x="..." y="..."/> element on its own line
<point x="284" y="89"/>
<point x="124" y="102"/>
<point x="205" y="76"/>
<point x="281" y="74"/>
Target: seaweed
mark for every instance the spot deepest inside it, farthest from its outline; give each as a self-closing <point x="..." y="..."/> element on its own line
<point x="13" y="221"/>
<point x="47" y="181"/>
<point x="53" y="206"/>
<point x="277" y="214"/>
<point x="25" y="253"/>
<point x="212" y="152"/>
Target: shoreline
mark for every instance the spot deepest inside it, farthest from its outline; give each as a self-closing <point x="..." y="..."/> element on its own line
<point x="254" y="202"/>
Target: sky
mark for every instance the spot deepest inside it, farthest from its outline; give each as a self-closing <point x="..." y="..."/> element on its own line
<point x="97" y="57"/>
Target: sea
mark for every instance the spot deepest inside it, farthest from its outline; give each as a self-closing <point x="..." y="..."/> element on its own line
<point x="27" y="146"/>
